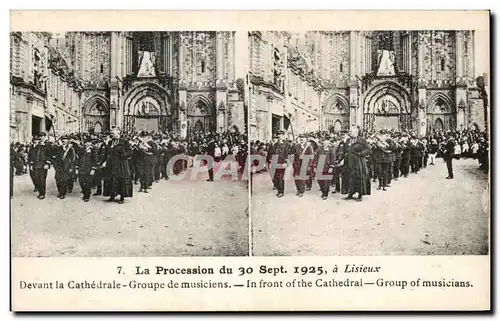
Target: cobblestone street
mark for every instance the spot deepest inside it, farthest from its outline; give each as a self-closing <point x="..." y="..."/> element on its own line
<point x="176" y="218"/>
<point x="424" y="214"/>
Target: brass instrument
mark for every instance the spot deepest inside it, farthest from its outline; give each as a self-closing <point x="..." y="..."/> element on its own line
<point x="145" y="147"/>
<point x="383" y="145"/>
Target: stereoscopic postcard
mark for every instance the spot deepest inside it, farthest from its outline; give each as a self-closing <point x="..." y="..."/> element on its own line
<point x="250" y="160"/>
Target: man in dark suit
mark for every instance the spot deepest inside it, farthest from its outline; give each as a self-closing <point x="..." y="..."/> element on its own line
<point x="86" y="167"/>
<point x="40" y="163"/>
<point x="281" y="149"/>
<point x="327" y="152"/>
<point x="211" y="152"/>
<point x="448" y="156"/>
<point x="303" y="153"/>
<point x="31" y="156"/>
<point x="12" y="162"/>
<point x="64" y="163"/>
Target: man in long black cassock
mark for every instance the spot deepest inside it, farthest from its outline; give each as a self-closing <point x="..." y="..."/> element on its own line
<point x="117" y="155"/>
<point x="357" y="149"/>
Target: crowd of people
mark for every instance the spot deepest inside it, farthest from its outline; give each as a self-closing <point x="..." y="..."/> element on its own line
<point x="112" y="163"/>
<point x="353" y="160"/>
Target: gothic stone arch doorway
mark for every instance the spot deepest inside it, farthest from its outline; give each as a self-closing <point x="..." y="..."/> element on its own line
<point x="200" y="115"/>
<point x="96" y="112"/>
<point x="198" y="127"/>
<point x="438" y="124"/>
<point x="147" y="108"/>
<point x="387" y="106"/>
<point x="337" y="127"/>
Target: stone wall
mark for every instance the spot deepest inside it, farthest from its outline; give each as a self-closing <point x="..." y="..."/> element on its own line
<point x="198" y="63"/>
<point x="439" y="55"/>
<point x="338" y="53"/>
<point x="91" y="56"/>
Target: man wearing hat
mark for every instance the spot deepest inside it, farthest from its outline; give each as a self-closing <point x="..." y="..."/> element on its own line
<point x="40" y="161"/>
<point x="281" y="149"/>
<point x="303" y="159"/>
<point x="448" y="156"/>
<point x="86" y="167"/>
<point x="31" y="156"/>
<point x="145" y="162"/>
<point x="64" y="164"/>
<point x="356" y="170"/>
<point x="158" y="159"/>
<point x="327" y="152"/>
<point x="210" y="150"/>
<point x="382" y="155"/>
<point x="433" y="149"/>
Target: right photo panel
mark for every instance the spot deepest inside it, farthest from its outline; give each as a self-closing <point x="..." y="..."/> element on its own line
<point x="368" y="142"/>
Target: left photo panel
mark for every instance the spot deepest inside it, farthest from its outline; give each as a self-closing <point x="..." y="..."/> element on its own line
<point x="128" y="144"/>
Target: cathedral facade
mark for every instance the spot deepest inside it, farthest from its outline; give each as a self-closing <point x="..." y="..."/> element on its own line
<point x="405" y="80"/>
<point x="158" y="81"/>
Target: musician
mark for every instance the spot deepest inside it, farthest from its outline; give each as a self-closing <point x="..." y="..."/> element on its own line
<point x="397" y="150"/>
<point x="158" y="157"/>
<point x="145" y="161"/>
<point x="357" y="149"/>
<point x="31" y="155"/>
<point x="382" y="154"/>
<point x="210" y="151"/>
<point x="448" y="156"/>
<point x="12" y="164"/>
<point x="337" y="157"/>
<point x="86" y="167"/>
<point x="405" y="156"/>
<point x="101" y="173"/>
<point x="134" y="160"/>
<point x="167" y="155"/>
<point x="392" y="158"/>
<point x="303" y="153"/>
<point x="328" y="152"/>
<point x="270" y="153"/>
<point x="433" y="149"/>
<point x="116" y="162"/>
<point x="64" y="162"/>
<point x="415" y="155"/>
<point x="281" y="149"/>
<point x="40" y="162"/>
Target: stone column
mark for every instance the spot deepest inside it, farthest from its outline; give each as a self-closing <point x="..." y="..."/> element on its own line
<point x="421" y="129"/>
<point x="353" y="87"/>
<point x="461" y="83"/>
<point x="353" y="98"/>
<point x="461" y="101"/>
<point x="221" y="106"/>
<point x="115" y="111"/>
<point x="352" y="54"/>
<point x="421" y="54"/>
<point x="183" y="110"/>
